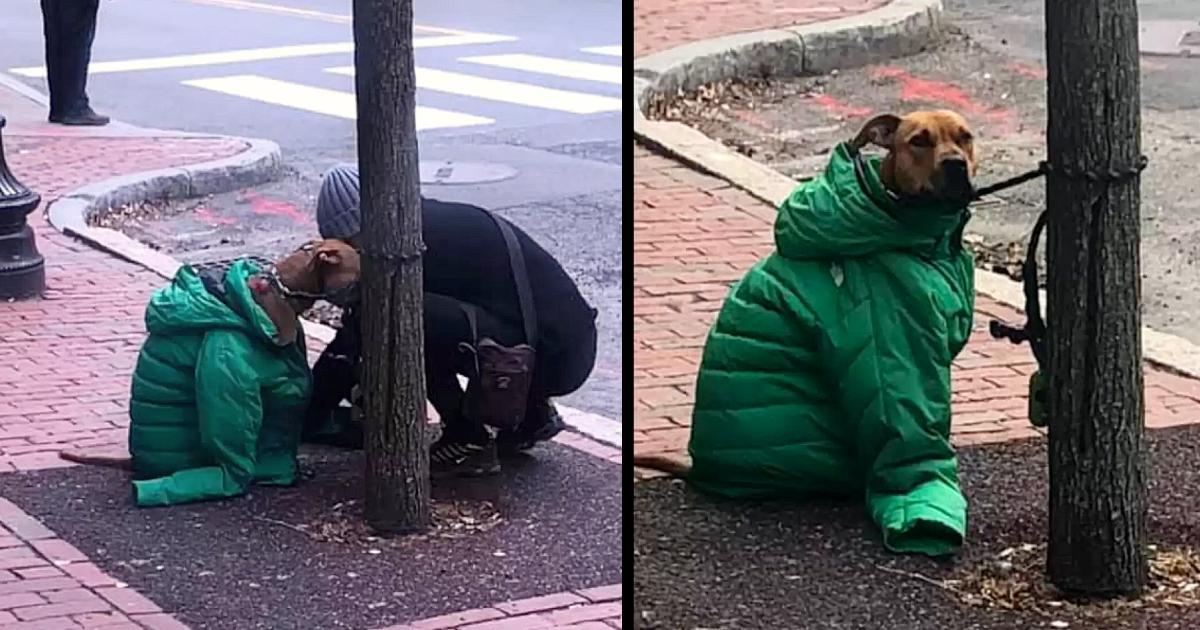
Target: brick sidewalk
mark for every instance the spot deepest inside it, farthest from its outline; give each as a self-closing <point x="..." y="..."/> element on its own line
<point x="662" y="24"/>
<point x="65" y="360"/>
<point x="694" y="234"/>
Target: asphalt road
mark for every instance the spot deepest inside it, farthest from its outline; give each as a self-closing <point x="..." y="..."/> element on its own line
<point x="527" y="93"/>
<point x="1017" y="28"/>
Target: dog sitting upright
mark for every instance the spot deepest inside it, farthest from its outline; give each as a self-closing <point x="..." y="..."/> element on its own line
<point x="828" y="368"/>
<point x="222" y="381"/>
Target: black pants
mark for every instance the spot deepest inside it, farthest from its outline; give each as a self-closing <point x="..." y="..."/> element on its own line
<point x="70" y="27"/>
<point x="446" y="327"/>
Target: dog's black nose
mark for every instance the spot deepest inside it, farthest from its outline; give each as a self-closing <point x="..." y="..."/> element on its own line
<point x="954" y="181"/>
<point x="954" y="167"/>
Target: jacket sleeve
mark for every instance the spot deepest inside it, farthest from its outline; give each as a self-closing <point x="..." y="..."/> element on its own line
<point x="892" y="370"/>
<point x="229" y="406"/>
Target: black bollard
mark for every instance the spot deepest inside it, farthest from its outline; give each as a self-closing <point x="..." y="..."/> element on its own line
<point x="22" y="268"/>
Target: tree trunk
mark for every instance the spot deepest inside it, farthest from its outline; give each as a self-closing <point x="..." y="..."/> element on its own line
<point x="1097" y="459"/>
<point x="393" y="379"/>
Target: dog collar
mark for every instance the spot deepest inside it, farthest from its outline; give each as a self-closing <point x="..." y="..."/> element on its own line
<point x="892" y="198"/>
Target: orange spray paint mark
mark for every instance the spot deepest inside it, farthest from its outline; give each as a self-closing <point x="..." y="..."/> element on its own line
<point x="207" y="216"/>
<point x="273" y="207"/>
<point x="947" y="95"/>
<point x="1028" y="71"/>
<point x="835" y="106"/>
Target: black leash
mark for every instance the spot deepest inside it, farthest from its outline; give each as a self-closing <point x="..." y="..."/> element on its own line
<point x="1034" y="330"/>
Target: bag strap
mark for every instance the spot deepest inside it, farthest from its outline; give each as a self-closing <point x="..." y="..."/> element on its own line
<point x="516" y="260"/>
<point x="469" y="310"/>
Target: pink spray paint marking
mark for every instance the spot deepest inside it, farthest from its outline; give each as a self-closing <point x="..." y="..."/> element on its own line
<point x="947" y="94"/>
<point x="1025" y="70"/>
<point x="273" y="207"/>
<point x="210" y="218"/>
<point x="835" y="106"/>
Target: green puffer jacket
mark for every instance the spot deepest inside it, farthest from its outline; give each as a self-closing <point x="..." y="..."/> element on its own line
<point x="216" y="404"/>
<point x="828" y="368"/>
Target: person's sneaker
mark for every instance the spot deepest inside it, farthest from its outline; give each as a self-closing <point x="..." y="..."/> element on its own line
<point x="84" y="118"/>
<point x="522" y="439"/>
<point x="457" y="458"/>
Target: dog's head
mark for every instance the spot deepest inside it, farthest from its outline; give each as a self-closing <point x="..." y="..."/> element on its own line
<point x="930" y="154"/>
<point x="318" y="269"/>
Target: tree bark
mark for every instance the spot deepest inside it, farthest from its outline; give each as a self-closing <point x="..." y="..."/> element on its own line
<point x="393" y="378"/>
<point x="1097" y="457"/>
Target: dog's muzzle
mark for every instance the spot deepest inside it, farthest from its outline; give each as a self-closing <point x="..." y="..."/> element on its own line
<point x="339" y="297"/>
<point x="344" y="296"/>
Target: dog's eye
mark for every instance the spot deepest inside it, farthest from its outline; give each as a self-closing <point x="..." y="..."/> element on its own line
<point x="921" y="140"/>
<point x="965" y="138"/>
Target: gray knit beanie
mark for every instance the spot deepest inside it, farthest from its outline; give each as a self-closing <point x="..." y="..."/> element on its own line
<point x="337" y="203"/>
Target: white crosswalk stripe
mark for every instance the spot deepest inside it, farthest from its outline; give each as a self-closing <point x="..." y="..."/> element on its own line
<point x="321" y="100"/>
<point x="252" y="82"/>
<point x="583" y="70"/>
<point x="507" y="91"/>
<point x="608" y="51"/>
<point x="259" y="54"/>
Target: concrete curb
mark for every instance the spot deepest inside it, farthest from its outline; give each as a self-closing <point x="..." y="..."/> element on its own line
<point x="902" y="24"/>
<point x="903" y="27"/>
<point x="69" y="214"/>
<point x="259" y="163"/>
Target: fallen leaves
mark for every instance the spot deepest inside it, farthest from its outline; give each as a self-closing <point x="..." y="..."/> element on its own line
<point x="1014" y="580"/>
<point x="1007" y="258"/>
<point x="344" y="525"/>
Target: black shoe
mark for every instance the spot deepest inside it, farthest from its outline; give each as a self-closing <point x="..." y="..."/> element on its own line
<point x="525" y="438"/>
<point x="458" y="458"/>
<point x="83" y="118"/>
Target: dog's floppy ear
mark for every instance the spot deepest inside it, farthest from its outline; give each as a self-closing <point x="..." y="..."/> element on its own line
<point x="880" y="131"/>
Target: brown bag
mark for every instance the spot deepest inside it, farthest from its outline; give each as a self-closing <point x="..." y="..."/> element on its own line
<point x="499" y="392"/>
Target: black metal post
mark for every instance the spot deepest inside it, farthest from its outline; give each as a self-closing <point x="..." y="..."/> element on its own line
<point x="22" y="268"/>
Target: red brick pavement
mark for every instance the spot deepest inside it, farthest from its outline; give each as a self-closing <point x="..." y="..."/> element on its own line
<point x="65" y="360"/>
<point x="662" y="24"/>
<point x="695" y="234"/>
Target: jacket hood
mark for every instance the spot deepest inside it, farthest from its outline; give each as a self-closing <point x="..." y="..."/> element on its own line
<point x="187" y="304"/>
<point x="835" y="216"/>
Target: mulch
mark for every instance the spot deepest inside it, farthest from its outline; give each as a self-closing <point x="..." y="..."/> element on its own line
<point x="301" y="557"/>
<point x="705" y="563"/>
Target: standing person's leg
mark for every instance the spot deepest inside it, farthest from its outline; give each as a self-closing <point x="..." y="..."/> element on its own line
<point x="75" y="31"/>
<point x="52" y="31"/>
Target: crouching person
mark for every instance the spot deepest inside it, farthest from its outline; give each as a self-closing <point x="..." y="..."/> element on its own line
<point x="498" y="310"/>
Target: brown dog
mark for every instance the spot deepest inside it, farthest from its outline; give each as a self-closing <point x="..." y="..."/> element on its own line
<point x="315" y="270"/>
<point x="930" y="155"/>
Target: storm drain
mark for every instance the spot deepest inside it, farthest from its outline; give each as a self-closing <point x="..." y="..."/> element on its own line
<point x="450" y="173"/>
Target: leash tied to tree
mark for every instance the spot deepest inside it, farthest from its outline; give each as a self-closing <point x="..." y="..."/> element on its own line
<point x="1034" y="330"/>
